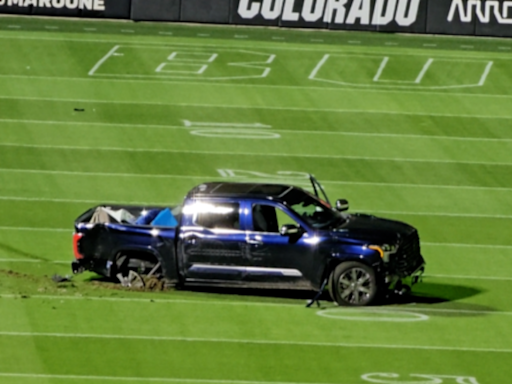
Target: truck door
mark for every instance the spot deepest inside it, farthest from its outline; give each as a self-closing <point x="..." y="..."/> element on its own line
<point x="212" y="245"/>
<point x="291" y="260"/>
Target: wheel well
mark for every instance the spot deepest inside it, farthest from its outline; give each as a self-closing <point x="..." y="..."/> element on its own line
<point x="333" y="263"/>
<point x="140" y="261"/>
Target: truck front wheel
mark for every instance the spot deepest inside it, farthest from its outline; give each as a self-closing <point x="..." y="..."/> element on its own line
<point x="353" y="284"/>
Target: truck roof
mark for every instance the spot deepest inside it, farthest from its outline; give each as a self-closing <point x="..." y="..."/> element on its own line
<point x="223" y="189"/>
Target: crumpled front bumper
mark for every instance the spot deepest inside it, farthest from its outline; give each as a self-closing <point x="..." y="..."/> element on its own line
<point x="403" y="284"/>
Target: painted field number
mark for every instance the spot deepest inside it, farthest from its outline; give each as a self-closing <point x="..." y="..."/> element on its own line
<point x="194" y="63"/>
<point x="231" y="130"/>
<point x="395" y="378"/>
<point x="183" y="62"/>
<point x="405" y="71"/>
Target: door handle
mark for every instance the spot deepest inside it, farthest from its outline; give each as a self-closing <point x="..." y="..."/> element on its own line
<point x="254" y="242"/>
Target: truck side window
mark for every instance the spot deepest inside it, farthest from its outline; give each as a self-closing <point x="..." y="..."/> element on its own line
<point x="217" y="215"/>
<point x="266" y="218"/>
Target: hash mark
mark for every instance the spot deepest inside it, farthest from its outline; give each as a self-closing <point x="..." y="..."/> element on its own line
<point x="165" y="33"/>
<point x="466" y="46"/>
<point x="203" y="34"/>
<point x="277" y="38"/>
<point x="391" y="43"/>
<point x="318" y="40"/>
<point x="354" y="42"/>
<point x="127" y="30"/>
<point x="13" y="26"/>
<point x="241" y="36"/>
<point x="89" y="29"/>
<point x="486" y="73"/>
<point x="430" y="45"/>
<point x="103" y="59"/>
<point x="423" y="71"/>
<point x="381" y="68"/>
<point x="51" y="27"/>
<point x="504" y="47"/>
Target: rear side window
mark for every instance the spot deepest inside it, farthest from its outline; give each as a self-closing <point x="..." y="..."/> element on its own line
<point x="215" y="215"/>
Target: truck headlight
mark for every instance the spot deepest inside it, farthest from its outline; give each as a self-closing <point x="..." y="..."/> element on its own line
<point x="385" y="250"/>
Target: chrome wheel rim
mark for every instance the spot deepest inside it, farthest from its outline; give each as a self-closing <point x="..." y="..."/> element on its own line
<point x="355" y="286"/>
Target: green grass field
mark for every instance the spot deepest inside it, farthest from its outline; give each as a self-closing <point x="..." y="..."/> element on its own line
<point x="415" y="128"/>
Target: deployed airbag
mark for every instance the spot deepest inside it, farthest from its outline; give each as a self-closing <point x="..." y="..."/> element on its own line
<point x="165" y="219"/>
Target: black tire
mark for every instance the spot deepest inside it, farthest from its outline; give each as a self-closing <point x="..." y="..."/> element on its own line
<point x="140" y="263"/>
<point x="353" y="284"/>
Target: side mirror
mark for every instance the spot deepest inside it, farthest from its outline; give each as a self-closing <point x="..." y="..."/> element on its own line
<point x="290" y="229"/>
<point x="341" y="205"/>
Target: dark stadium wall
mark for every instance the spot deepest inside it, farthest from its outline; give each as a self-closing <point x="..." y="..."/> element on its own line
<point x="112" y="9"/>
<point x="156" y="10"/>
<point x="456" y="17"/>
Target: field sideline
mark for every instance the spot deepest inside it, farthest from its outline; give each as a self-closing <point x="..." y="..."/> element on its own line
<point x="415" y="128"/>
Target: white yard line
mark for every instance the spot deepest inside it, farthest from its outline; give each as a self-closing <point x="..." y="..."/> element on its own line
<point x="36" y="229"/>
<point x="102" y="60"/>
<point x="460" y="245"/>
<point x="295" y="132"/>
<point x="80" y="201"/>
<point x="34" y="261"/>
<point x="339" y="88"/>
<point x="240" y="153"/>
<point x="153" y="299"/>
<point x="303" y="109"/>
<point x="261" y="45"/>
<point x="423" y="243"/>
<point x="41" y="376"/>
<point x="168" y="176"/>
<point x="249" y="341"/>
<point x="449" y="214"/>
<point x="468" y="277"/>
<point x="413" y="307"/>
<point x="100" y="174"/>
<point x="471" y="278"/>
<point x="149" y="203"/>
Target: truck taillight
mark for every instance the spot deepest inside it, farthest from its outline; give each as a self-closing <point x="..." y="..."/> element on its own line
<point x="76" y="240"/>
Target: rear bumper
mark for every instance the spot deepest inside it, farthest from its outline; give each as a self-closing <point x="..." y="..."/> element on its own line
<point x="101" y="267"/>
<point x="77" y="266"/>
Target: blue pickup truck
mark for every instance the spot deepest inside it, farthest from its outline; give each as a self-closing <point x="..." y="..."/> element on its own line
<point x="252" y="235"/>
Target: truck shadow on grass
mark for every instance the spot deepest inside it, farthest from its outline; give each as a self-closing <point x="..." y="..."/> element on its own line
<point x="433" y="299"/>
<point x="439" y="299"/>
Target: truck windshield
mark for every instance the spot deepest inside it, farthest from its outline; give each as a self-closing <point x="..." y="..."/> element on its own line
<point x="313" y="210"/>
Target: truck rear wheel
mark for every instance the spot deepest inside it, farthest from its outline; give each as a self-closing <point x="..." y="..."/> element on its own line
<point x="132" y="264"/>
<point x="353" y="284"/>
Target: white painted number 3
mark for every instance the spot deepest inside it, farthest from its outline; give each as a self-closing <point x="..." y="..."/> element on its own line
<point x="394" y="378"/>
